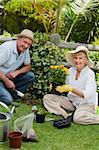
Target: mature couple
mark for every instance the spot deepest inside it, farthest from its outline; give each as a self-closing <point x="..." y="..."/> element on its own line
<point x="81" y="86"/>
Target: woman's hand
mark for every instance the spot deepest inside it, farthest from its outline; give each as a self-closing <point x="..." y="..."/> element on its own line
<point x="64" y="88"/>
<point x="69" y="88"/>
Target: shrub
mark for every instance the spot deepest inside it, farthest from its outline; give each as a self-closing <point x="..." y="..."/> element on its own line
<point x="43" y="55"/>
<point x="19" y="15"/>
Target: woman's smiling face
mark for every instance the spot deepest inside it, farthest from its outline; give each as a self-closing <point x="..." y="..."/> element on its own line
<point x="80" y="60"/>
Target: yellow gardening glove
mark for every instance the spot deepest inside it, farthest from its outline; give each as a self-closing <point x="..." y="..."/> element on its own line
<point x="64" y="88"/>
<point x="60" y="89"/>
<point x="67" y="88"/>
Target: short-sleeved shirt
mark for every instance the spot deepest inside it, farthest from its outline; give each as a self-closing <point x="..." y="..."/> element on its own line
<point x="86" y="82"/>
<point x="10" y="60"/>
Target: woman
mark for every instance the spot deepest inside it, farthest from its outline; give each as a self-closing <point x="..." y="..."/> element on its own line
<point x="81" y="88"/>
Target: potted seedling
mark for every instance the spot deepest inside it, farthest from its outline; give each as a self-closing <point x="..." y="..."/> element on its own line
<point x="40" y="115"/>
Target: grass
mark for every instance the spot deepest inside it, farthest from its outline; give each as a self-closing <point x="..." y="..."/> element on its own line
<point x="50" y="138"/>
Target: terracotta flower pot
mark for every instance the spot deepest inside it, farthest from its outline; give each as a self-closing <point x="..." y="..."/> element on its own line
<point x="15" y="139"/>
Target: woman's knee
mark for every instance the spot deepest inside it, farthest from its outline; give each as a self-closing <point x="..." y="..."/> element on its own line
<point x="75" y="118"/>
<point x="46" y="98"/>
<point x="79" y="117"/>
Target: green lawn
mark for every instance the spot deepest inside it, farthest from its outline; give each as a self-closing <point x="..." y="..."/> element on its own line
<point x="76" y="137"/>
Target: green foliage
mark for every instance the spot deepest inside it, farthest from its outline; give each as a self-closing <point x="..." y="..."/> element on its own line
<point x="12" y="23"/>
<point x="54" y="16"/>
<point x="43" y="55"/>
<point x="42" y="111"/>
<point x="19" y="15"/>
<point x="97" y="110"/>
<point x="44" y="12"/>
<point x="94" y="55"/>
<point x="60" y="6"/>
<point x="5" y="33"/>
<point x="97" y="81"/>
<point x="82" y="8"/>
<point x="84" y="31"/>
<point x="16" y="13"/>
<point x="23" y="7"/>
<point x="33" y="14"/>
<point x="96" y="42"/>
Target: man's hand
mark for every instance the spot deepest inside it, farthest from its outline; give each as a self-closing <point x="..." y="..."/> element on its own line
<point x="9" y="84"/>
<point x="12" y="75"/>
<point x="64" y="88"/>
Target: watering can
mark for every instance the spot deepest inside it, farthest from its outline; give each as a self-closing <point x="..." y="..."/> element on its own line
<point x="5" y="119"/>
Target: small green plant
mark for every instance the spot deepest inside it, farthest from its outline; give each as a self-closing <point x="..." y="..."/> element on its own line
<point x="42" y="111"/>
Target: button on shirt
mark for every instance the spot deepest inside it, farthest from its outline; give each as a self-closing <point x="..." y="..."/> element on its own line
<point x="10" y="60"/>
<point x="86" y="83"/>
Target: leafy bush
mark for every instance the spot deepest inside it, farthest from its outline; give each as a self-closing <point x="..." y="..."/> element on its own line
<point x="94" y="55"/>
<point x="19" y="15"/>
<point x="43" y="55"/>
<point x="97" y="80"/>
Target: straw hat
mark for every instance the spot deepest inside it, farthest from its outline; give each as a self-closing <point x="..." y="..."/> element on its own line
<point x="69" y="56"/>
<point x="27" y="33"/>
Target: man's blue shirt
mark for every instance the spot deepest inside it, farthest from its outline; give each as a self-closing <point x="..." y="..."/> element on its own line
<point x="10" y="60"/>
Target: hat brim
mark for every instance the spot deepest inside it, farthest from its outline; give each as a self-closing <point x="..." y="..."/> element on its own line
<point x="69" y="57"/>
<point x="24" y="35"/>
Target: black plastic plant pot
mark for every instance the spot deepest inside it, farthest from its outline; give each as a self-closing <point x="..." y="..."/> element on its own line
<point x="62" y="123"/>
<point x="40" y="118"/>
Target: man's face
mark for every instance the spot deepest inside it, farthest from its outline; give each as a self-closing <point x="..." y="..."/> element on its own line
<point x="23" y="43"/>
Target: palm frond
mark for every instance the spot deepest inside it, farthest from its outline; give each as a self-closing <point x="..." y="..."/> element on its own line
<point x="84" y="6"/>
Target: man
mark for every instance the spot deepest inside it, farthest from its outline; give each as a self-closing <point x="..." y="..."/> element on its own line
<point x="15" y="66"/>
